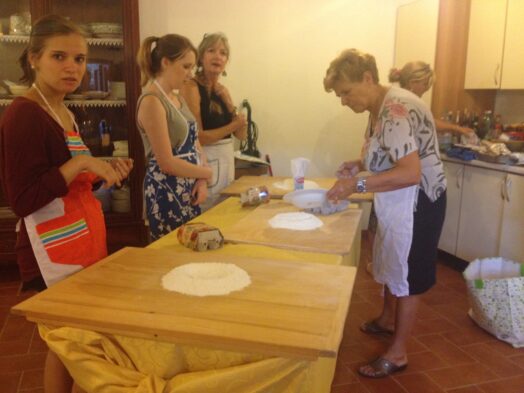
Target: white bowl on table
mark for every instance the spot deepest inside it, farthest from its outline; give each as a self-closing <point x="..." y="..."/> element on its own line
<point x="307" y="199"/>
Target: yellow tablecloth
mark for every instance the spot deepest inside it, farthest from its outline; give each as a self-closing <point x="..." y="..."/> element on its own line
<point x="116" y="364"/>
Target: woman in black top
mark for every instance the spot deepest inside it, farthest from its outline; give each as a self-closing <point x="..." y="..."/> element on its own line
<point x="215" y="112"/>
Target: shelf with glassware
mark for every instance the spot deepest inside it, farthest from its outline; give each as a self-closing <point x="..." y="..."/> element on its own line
<point x="71" y="103"/>
<point x="116" y="42"/>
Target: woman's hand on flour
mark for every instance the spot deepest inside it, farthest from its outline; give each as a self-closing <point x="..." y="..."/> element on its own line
<point x="328" y="207"/>
<point x="342" y="189"/>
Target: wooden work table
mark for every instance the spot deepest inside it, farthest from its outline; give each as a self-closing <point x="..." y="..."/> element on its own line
<point x="293" y="311"/>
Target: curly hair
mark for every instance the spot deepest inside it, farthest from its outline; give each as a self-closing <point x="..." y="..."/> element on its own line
<point x="350" y="66"/>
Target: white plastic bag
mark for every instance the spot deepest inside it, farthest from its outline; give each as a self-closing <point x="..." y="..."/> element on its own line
<point x="496" y="295"/>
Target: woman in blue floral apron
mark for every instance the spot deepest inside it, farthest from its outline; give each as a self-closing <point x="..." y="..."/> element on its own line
<point x="176" y="175"/>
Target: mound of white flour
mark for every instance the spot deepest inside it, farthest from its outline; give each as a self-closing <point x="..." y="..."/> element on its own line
<point x="297" y="221"/>
<point x="206" y="279"/>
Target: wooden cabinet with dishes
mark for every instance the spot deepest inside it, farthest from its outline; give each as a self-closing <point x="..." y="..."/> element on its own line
<point x="104" y="105"/>
<point x="495" y="56"/>
<point x="484" y="215"/>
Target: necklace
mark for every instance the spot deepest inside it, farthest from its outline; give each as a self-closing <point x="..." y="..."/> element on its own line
<point x="51" y="110"/>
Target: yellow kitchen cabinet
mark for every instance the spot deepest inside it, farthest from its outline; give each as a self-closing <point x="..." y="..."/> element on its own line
<point x="448" y="239"/>
<point x="495" y="55"/>
<point x="485" y="44"/>
<point x="512" y="228"/>
<point x="513" y="61"/>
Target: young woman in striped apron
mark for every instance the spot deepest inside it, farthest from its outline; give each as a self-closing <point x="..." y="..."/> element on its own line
<point x="48" y="173"/>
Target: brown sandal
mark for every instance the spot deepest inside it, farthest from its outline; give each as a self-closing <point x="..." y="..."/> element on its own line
<point x="382" y="368"/>
<point x="372" y="327"/>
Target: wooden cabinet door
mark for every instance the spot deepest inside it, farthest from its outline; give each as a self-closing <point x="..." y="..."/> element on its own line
<point x="480" y="213"/>
<point x="512" y="229"/>
<point x="448" y="238"/>
<point x="485" y="44"/>
<point x="513" y="62"/>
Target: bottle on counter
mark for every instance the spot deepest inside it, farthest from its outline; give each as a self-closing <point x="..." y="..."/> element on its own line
<point x="487" y="125"/>
<point x="498" y="126"/>
<point x="105" y="137"/>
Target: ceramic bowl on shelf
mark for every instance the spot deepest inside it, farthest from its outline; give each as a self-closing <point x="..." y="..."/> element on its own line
<point x="75" y="97"/>
<point x="105" y="29"/>
<point x="96" y="94"/>
<point x="18" y="90"/>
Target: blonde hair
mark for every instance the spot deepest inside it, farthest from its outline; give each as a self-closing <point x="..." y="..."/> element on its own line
<point x="413" y="71"/>
<point x="149" y="58"/>
<point x="350" y="66"/>
<point x="208" y="41"/>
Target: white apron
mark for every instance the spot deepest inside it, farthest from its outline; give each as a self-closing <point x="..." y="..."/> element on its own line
<point x="394" y="210"/>
<point x="220" y="157"/>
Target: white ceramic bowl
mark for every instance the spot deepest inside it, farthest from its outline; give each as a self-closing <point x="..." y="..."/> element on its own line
<point x="306" y="199"/>
<point x="18" y="90"/>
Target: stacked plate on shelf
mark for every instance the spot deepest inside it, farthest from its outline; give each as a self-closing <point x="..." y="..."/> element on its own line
<point x="105" y="29"/>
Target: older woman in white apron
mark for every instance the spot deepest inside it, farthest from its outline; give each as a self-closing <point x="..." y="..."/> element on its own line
<point x="215" y="112"/>
<point x="408" y="181"/>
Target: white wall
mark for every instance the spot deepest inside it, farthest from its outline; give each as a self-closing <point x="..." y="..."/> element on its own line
<point x="416" y="35"/>
<point x="280" y="52"/>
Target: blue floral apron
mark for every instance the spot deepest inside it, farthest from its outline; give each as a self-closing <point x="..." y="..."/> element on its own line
<point x="167" y="197"/>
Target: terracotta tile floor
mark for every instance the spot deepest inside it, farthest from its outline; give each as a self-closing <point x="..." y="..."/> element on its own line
<point x="447" y="353"/>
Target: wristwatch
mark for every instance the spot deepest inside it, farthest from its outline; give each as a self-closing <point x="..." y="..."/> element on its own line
<point x="361" y="185"/>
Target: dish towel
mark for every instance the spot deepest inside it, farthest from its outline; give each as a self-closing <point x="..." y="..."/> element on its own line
<point x="461" y="153"/>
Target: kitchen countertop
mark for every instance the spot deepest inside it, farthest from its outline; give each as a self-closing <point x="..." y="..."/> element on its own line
<point x="514" y="169"/>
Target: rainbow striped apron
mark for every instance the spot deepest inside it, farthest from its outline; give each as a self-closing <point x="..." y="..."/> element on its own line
<point x="68" y="234"/>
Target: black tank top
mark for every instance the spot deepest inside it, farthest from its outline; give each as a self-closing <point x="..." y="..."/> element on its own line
<point x="213" y="110"/>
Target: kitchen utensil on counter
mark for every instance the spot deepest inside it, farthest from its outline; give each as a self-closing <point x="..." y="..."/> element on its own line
<point x="254" y="196"/>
